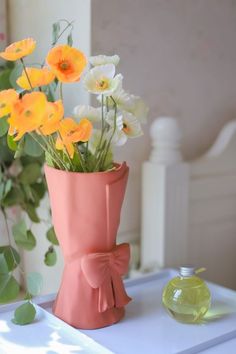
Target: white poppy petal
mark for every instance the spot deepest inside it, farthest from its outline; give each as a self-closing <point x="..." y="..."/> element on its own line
<point x="104" y="59"/>
<point x="110" y="119"/>
<point x="101" y="80"/>
<point x="131" y="125"/>
<point x="138" y="108"/>
<point x="89" y="112"/>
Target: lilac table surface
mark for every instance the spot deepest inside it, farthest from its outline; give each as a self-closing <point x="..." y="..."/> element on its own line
<point x="146" y="328"/>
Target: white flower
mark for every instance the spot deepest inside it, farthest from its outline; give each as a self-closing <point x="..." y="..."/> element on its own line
<point x="126" y="124"/>
<point x="131" y="125"/>
<point x="110" y="119"/>
<point x="89" y="112"/>
<point x="130" y="103"/>
<point x="138" y="108"/>
<point x="102" y="80"/>
<point x="121" y="98"/>
<point x="104" y="59"/>
<point x="119" y="138"/>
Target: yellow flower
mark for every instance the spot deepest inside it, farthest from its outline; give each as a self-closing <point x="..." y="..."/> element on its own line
<point x="27" y="114"/>
<point x="66" y="62"/>
<point x="19" y="49"/>
<point x="54" y="114"/>
<point x="37" y="77"/>
<point x="71" y="132"/>
<point x="7" y="99"/>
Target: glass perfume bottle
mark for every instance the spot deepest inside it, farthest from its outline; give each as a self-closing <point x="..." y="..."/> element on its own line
<point x="187" y="297"/>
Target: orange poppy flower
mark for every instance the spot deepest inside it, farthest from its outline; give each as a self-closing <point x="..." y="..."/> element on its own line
<point x="19" y="49"/>
<point x="54" y="114"/>
<point x="7" y="98"/>
<point x="38" y="77"/>
<point x="27" y="114"/>
<point x="66" y="62"/>
<point x="71" y="132"/>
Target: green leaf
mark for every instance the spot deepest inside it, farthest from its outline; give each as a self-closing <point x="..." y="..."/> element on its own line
<point x="20" y="149"/>
<point x="8" y="186"/>
<point x="30" y="174"/>
<point x="49" y="161"/>
<point x="9" y="259"/>
<point x="6" y="154"/>
<point x="24" y="314"/>
<point x="15" y="74"/>
<point x="5" y="79"/>
<point x="14" y="197"/>
<point x="70" y="39"/>
<point x="31" y="211"/>
<point x="23" y="238"/>
<point x="9" y="288"/>
<point x="31" y="147"/>
<point x="3" y="265"/>
<point x="51" y="236"/>
<point x="39" y="188"/>
<point x="5" y="188"/>
<point x="34" y="282"/>
<point x="11" y="143"/>
<point x="3" y="126"/>
<point x="55" y="32"/>
<point x="50" y="258"/>
<point x="2" y="187"/>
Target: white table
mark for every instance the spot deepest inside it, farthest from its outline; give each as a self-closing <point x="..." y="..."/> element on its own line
<point x="146" y="328"/>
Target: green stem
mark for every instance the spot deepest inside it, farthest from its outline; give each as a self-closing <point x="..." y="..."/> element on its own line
<point x="43" y="147"/>
<point x="113" y="133"/>
<point x="81" y="160"/>
<point x="69" y="24"/>
<point x="102" y="132"/>
<point x="99" y="158"/>
<point x="67" y="154"/>
<point x="24" y="67"/>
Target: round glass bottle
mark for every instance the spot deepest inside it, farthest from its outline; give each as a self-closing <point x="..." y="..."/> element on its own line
<point x="187" y="297"/>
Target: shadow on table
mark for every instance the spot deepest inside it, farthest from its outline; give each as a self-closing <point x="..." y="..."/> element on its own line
<point x="218" y="310"/>
<point x="40" y="337"/>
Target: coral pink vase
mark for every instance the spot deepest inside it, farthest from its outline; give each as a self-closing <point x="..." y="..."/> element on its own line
<point x="86" y="214"/>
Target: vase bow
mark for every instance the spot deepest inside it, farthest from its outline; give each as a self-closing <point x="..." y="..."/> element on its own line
<point x="104" y="271"/>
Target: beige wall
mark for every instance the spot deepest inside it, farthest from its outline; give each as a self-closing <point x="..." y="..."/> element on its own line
<point x="180" y="55"/>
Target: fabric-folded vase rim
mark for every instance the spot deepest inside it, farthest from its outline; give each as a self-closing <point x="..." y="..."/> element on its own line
<point x="119" y="166"/>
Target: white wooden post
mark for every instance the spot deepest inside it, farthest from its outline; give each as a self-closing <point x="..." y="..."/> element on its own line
<point x="165" y="182"/>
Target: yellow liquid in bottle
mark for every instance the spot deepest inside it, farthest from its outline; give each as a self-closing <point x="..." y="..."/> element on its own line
<point x="186" y="299"/>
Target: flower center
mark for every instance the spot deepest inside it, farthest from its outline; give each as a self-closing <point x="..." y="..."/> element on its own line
<point x="126" y="128"/>
<point x="102" y="84"/>
<point x="64" y="65"/>
<point x="17" y="50"/>
<point x="27" y="113"/>
<point x="71" y="132"/>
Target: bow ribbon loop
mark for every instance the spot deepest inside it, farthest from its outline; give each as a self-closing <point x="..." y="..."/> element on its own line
<point x="103" y="271"/>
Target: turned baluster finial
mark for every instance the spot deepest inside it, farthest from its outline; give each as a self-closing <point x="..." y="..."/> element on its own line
<point x="166" y="138"/>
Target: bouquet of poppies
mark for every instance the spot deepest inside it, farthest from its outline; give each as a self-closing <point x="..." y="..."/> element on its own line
<point x="82" y="142"/>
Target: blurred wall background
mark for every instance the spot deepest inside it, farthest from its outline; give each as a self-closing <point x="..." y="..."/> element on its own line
<point x="180" y="56"/>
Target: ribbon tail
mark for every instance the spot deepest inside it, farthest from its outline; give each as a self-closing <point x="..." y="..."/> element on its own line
<point x="105" y="296"/>
<point x="120" y="295"/>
